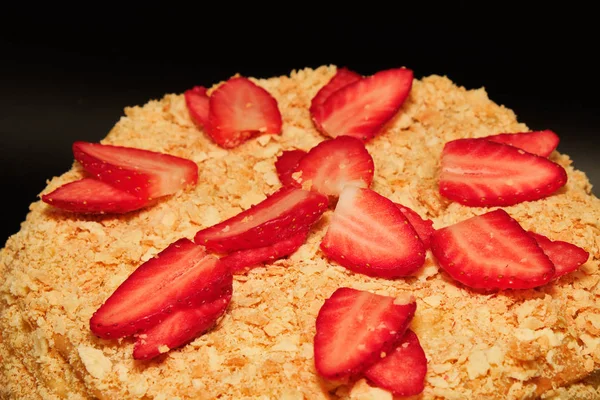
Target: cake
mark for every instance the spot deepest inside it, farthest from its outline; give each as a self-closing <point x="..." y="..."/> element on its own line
<point x="540" y="342"/>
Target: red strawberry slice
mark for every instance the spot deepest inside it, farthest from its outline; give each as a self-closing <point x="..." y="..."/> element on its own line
<point x="565" y="256"/>
<point x="360" y="109"/>
<point x="368" y="234"/>
<point x="491" y="251"/>
<point x="354" y="327"/>
<point x="403" y="371"/>
<point x="423" y="227"/>
<point x="541" y="143"/>
<point x="197" y="101"/>
<point x="286" y="165"/>
<point x="283" y="214"/>
<point x="343" y="77"/>
<point x="238" y="261"/>
<point x="179" y="328"/>
<point x="238" y="110"/>
<point x="335" y="163"/>
<point x="481" y="173"/>
<point x="93" y="196"/>
<point x="180" y="276"/>
<point x="143" y="173"/>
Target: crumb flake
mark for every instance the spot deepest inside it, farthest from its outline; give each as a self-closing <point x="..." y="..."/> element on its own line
<point x="95" y="362"/>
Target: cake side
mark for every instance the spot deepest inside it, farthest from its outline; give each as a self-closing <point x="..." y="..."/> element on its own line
<point x="60" y="268"/>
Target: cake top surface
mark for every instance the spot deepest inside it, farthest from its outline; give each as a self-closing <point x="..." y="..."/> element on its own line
<point x="61" y="267"/>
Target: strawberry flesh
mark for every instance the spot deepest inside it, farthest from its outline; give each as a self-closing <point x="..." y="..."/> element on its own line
<point x="491" y="251"/>
<point x="239" y="261"/>
<point x="361" y="109"/>
<point x="343" y="77"/>
<point x="286" y="165"/>
<point x="481" y="173"/>
<point x="180" y="276"/>
<point x="197" y="101"/>
<point x="283" y="214"/>
<point x="403" y="371"/>
<point x="354" y="327"/>
<point x="541" y="143"/>
<point x="368" y="234"/>
<point x="143" y="173"/>
<point x="180" y="327"/>
<point x="332" y="164"/>
<point x="565" y="256"/>
<point x="238" y="110"/>
<point x="94" y="197"/>
<point x="423" y="227"/>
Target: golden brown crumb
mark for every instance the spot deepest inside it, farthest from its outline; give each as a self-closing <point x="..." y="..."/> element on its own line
<point x="517" y="344"/>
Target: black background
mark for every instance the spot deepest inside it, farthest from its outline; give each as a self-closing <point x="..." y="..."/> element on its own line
<point x="67" y="74"/>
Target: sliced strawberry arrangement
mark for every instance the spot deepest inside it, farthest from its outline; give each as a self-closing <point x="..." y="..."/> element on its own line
<point x="281" y="215"/>
<point x="238" y="110"/>
<point x="423" y="227"/>
<point x="402" y="371"/>
<point x="197" y="101"/>
<point x="343" y="77"/>
<point x="143" y="173"/>
<point x="180" y="276"/>
<point x="368" y="234"/>
<point x="240" y="260"/>
<point x="541" y="143"/>
<point x="93" y="196"/>
<point x="481" y="173"/>
<point x="286" y="165"/>
<point x="565" y="256"/>
<point x="354" y="327"/>
<point x="491" y="251"/>
<point x="360" y="109"/>
<point x="332" y="164"/>
<point x="180" y="327"/>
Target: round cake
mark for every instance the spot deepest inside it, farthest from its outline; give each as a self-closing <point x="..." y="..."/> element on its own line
<point x="62" y="266"/>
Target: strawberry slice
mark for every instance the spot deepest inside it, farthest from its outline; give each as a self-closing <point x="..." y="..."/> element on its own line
<point x="240" y="260"/>
<point x="179" y="328"/>
<point x="565" y="256"/>
<point x="354" y="327"/>
<point x="143" y="173"/>
<point x="423" y="227"/>
<point x="481" y="173"/>
<point x="403" y="371"/>
<point x="92" y="196"/>
<point x="197" y="101"/>
<point x="286" y="165"/>
<point x="368" y="234"/>
<point x="238" y="110"/>
<point x="360" y="109"/>
<point x="491" y="251"/>
<point x="343" y="77"/>
<point x="335" y="163"/>
<point x="541" y="143"/>
<point x="180" y="276"/>
<point x="283" y="214"/>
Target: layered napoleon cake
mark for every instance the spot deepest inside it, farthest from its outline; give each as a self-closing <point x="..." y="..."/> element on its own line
<point x="322" y="235"/>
